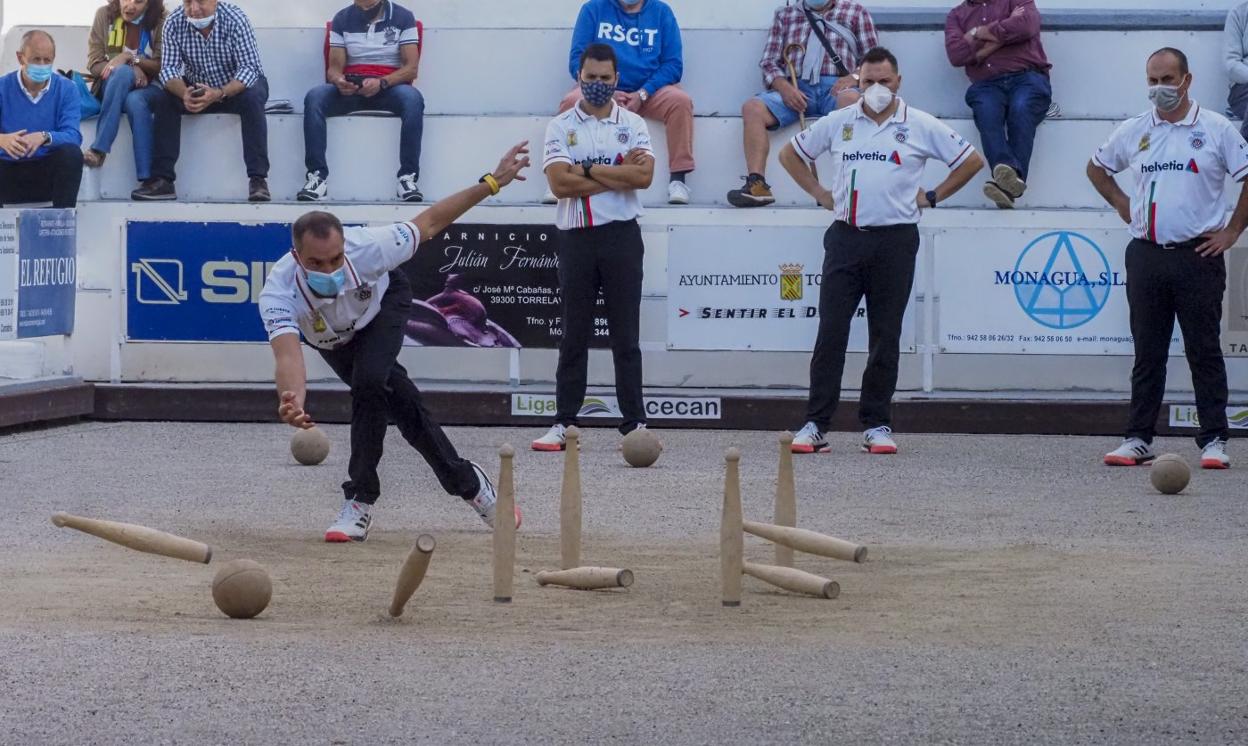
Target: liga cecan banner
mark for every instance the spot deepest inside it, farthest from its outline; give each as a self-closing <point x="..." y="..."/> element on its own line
<point x="479" y="285"/>
<point x="472" y="286"/>
<point x="737" y="288"/>
<point x="1042" y="292"/>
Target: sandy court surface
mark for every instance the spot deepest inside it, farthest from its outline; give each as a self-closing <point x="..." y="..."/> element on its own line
<point x="1016" y="591"/>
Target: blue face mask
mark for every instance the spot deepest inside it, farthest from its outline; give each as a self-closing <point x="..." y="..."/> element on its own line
<point x="327" y="285"/>
<point x="597" y="93"/>
<point x="39" y="73"/>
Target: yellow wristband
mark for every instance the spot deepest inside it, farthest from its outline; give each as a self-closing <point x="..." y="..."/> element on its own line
<point x="492" y="183"/>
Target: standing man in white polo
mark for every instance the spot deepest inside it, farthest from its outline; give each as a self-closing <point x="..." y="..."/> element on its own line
<point x="882" y="145"/>
<point x="1180" y="156"/>
<point x="342" y="290"/>
<point x="597" y="155"/>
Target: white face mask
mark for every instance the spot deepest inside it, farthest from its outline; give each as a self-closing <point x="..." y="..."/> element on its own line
<point x="202" y="23"/>
<point x="877" y="98"/>
<point x="1166" y="98"/>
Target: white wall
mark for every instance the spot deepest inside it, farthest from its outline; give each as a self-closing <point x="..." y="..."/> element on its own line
<point x="541" y="13"/>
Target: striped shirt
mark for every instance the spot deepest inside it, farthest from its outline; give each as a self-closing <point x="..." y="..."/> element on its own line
<point x="373" y="39"/>
<point x="880" y="167"/>
<point x="791" y="27"/>
<point x="1179" y="171"/>
<point x="229" y="52"/>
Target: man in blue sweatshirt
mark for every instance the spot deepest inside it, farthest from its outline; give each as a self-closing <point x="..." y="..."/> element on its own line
<point x="40" y="155"/>
<point x="646" y="40"/>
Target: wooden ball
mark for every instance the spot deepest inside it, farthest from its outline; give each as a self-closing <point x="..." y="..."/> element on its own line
<point x="310" y="447"/>
<point x="1170" y="474"/>
<point x="242" y="589"/>
<point x="642" y="448"/>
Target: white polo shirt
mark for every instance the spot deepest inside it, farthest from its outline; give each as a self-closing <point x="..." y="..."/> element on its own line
<point x="574" y="137"/>
<point x="287" y="306"/>
<point x="880" y="166"/>
<point x="1180" y="171"/>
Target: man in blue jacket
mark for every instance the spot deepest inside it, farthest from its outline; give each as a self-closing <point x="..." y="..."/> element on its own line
<point x="646" y="39"/>
<point x="40" y="156"/>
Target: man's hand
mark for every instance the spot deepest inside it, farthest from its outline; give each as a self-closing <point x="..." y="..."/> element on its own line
<point x="291" y="412"/>
<point x="1123" y="208"/>
<point x="1219" y="242"/>
<point x="636" y="157"/>
<point x="630" y="101"/>
<point x="345" y="87"/>
<point x="986" y="35"/>
<point x="515" y="161"/>
<point x="825" y="199"/>
<point x="792" y="97"/>
<point x="844" y="83"/>
<point x="196" y="104"/>
<point x="987" y="51"/>
<point x="371" y="87"/>
<point x="921" y="200"/>
<point x="13" y="145"/>
<point x="1018" y="11"/>
<point x="33" y="141"/>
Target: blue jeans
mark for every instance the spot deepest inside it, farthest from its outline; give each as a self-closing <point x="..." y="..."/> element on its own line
<point x="1237" y="101"/>
<point x="120" y="96"/>
<point x="325" y="101"/>
<point x="1008" y="109"/>
<point x="820" y="101"/>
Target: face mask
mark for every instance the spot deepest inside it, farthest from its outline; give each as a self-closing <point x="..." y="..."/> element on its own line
<point x="1165" y="97"/>
<point x="202" y="23"/>
<point x="597" y="93"/>
<point x="877" y="98"/>
<point x="39" y="73"/>
<point x="327" y="285"/>
<point x="815" y="4"/>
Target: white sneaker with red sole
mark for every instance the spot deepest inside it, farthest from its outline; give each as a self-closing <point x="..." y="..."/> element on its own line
<point x="1132" y="452"/>
<point x="352" y="524"/>
<point x="1214" y="456"/>
<point x="555" y="439"/>
<point x="810" y="439"/>
<point x="879" y="440"/>
<point x="487" y="498"/>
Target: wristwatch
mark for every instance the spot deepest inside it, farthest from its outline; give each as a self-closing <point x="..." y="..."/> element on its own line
<point x="641" y="94"/>
<point x="931" y="197"/>
<point x="384" y="84"/>
<point x="47" y="137"/>
<point x="586" y="166"/>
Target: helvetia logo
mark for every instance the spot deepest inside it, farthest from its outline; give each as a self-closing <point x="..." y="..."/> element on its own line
<point x="1157" y="168"/>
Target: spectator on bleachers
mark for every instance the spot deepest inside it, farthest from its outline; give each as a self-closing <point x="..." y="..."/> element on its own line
<point x="1236" y="46"/>
<point x="123" y="51"/>
<point x="647" y="43"/>
<point x="998" y="42"/>
<point x="825" y="79"/>
<point x="40" y="112"/>
<point x="374" y="56"/>
<point x="210" y="64"/>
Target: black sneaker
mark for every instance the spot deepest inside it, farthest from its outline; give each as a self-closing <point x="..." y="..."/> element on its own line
<point x="755" y="193"/>
<point x="154" y="190"/>
<point x="258" y="191"/>
<point x="315" y="188"/>
<point x="407" y="190"/>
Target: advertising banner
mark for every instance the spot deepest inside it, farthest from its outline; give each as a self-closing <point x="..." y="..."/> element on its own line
<point x="8" y="274"/>
<point x="608" y="407"/>
<point x="735" y="288"/>
<point x="1185" y="416"/>
<point x="1235" y="337"/>
<point x="47" y="243"/>
<point x="1035" y="292"/>
<point x="490" y="286"/>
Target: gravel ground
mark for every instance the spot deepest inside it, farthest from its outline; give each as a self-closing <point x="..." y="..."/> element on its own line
<point x="1016" y="592"/>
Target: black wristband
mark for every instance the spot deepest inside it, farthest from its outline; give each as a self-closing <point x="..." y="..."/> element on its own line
<point x="587" y="166"/>
<point x="931" y="197"/>
<point x="384" y="84"/>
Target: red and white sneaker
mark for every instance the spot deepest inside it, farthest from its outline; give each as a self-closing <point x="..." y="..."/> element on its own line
<point x="1214" y="456"/>
<point x="487" y="498"/>
<point x="810" y="439"/>
<point x="555" y="439"/>
<point x="879" y="440"/>
<point x="1132" y="452"/>
<point x="352" y="524"/>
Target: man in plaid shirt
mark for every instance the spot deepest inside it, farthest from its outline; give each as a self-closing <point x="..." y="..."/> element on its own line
<point x="824" y="83"/>
<point x="210" y="64"/>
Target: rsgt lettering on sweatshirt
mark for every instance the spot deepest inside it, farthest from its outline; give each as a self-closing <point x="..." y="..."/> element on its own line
<point x="629" y="36"/>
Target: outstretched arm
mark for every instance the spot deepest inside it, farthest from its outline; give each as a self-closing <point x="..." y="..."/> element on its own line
<point x="446" y="211"/>
<point x="292" y="380"/>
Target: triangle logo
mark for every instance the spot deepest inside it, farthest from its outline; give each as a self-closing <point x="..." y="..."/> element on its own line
<point x="896" y="158"/>
<point x="1191" y="166"/>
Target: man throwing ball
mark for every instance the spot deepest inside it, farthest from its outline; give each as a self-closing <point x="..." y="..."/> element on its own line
<point x="341" y="288"/>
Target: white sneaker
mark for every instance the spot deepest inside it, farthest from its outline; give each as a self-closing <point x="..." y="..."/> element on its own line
<point x="678" y="193"/>
<point x="315" y="188"/>
<point x="487" y="498"/>
<point x="352" y="524"/>
<point x="879" y="440"/>
<point x="407" y="189"/>
<point x="1132" y="452"/>
<point x="555" y="439"/>
<point x="810" y="440"/>
<point x="549" y="198"/>
<point x="1214" y="456"/>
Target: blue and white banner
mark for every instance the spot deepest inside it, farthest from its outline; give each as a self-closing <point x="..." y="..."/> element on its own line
<point x="8" y="274"/>
<point x="1037" y="292"/>
<point x="47" y="253"/>
<point x="199" y="282"/>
